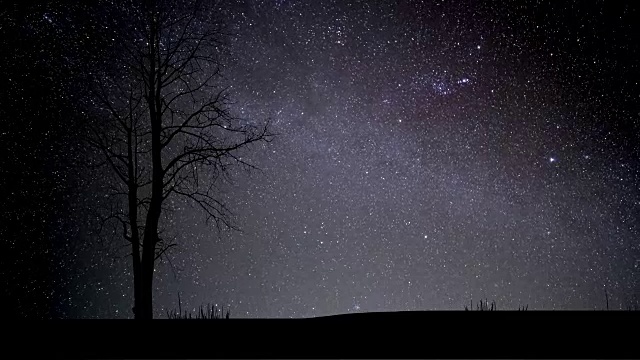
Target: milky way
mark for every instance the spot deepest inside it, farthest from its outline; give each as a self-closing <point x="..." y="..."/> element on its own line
<point x="429" y="155"/>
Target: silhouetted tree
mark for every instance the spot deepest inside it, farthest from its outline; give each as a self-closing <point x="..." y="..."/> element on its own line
<point x="164" y="126"/>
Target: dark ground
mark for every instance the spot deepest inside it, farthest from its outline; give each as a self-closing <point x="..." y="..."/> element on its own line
<point x="456" y="334"/>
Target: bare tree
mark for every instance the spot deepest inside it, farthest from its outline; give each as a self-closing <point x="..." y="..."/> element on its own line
<point x="164" y="127"/>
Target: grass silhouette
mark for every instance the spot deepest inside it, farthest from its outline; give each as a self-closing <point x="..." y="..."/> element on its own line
<point x="208" y="312"/>
<point x="485" y="306"/>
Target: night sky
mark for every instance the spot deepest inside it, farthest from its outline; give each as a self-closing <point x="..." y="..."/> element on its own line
<point x="430" y="153"/>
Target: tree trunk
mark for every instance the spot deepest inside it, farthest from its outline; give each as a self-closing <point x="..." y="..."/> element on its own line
<point x="157" y="176"/>
<point x="146" y="287"/>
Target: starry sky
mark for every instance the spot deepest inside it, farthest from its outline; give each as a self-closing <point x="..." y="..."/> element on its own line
<point x="429" y="153"/>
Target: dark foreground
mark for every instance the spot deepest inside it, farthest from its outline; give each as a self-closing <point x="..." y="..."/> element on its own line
<point x="457" y="334"/>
